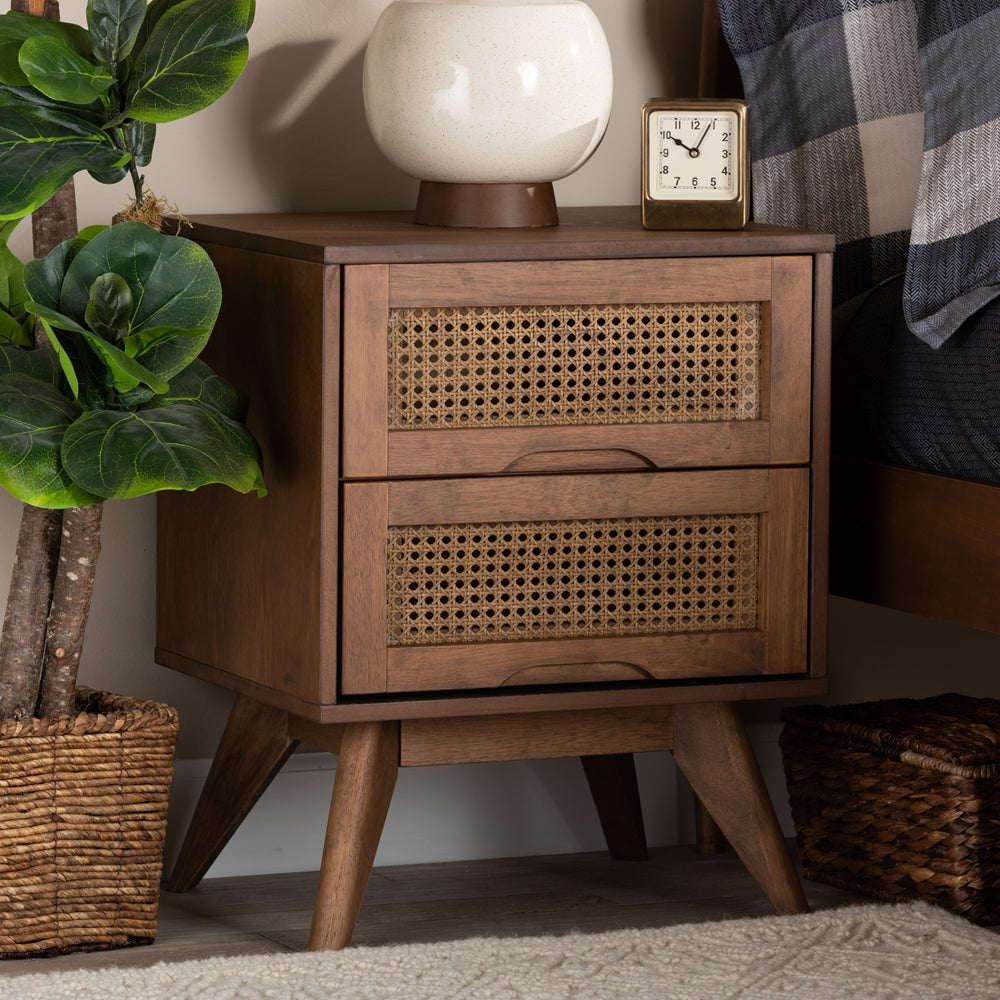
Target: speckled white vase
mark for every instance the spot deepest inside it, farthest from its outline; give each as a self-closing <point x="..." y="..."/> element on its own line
<point x="488" y="92"/>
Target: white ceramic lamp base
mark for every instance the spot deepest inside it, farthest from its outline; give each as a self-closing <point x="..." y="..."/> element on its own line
<point x="487" y="102"/>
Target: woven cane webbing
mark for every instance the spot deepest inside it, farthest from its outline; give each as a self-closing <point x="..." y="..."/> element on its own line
<point x="83" y="809"/>
<point x="559" y="579"/>
<point x="892" y="829"/>
<point x="533" y="366"/>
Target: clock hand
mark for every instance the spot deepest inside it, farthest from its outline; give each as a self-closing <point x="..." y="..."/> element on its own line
<point x="681" y="144"/>
<point x="695" y="151"/>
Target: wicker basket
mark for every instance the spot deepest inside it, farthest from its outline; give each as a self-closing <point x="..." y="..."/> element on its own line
<point x="83" y="808"/>
<point x="900" y="799"/>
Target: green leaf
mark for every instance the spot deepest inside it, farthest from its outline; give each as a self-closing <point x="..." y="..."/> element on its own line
<point x="52" y="316"/>
<point x="65" y="361"/>
<point x="154" y="13"/>
<point x="40" y="363"/>
<point x="124" y="373"/>
<point x="199" y="384"/>
<point x="43" y="277"/>
<point x="142" y="342"/>
<point x="139" y="139"/>
<point x="54" y="69"/>
<point x="16" y="28"/>
<point x="41" y="149"/>
<point x="194" y="54"/>
<point x="14" y="331"/>
<point x="114" y="27"/>
<point x="34" y="418"/>
<point x="110" y="308"/>
<point x="13" y="294"/>
<point x="11" y="73"/>
<point x="112" y="176"/>
<point x="173" y="283"/>
<point x="182" y="446"/>
<point x="86" y="234"/>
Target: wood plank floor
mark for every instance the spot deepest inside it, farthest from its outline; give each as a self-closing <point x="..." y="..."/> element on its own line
<point x="436" y="902"/>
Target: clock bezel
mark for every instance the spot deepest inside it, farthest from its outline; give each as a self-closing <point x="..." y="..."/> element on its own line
<point x="683" y="213"/>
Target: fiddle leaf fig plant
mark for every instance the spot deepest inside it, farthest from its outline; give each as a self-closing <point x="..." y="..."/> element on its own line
<point x="103" y="394"/>
<point x="128" y="310"/>
<point x="75" y="99"/>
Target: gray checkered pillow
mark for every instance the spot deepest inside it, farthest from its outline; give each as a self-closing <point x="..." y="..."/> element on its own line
<point x="836" y="124"/>
<point x="953" y="266"/>
<point x="837" y="90"/>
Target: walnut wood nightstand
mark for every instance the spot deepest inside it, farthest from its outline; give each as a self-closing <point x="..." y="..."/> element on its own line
<point x="533" y="493"/>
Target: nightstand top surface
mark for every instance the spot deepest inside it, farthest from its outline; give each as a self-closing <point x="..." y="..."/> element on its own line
<point x="392" y="237"/>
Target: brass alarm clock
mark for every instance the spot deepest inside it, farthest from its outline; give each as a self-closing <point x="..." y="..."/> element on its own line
<point x="695" y="164"/>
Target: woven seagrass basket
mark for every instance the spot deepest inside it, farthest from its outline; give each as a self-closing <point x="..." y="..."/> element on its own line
<point x="83" y="810"/>
<point x="900" y="799"/>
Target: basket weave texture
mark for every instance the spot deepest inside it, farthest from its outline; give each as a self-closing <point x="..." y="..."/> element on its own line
<point x="900" y="799"/>
<point x="83" y="810"/>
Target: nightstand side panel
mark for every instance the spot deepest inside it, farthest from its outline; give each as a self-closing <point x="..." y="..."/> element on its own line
<point x="246" y="587"/>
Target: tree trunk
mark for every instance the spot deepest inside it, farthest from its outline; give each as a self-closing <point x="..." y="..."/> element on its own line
<point x="55" y="221"/>
<point x="78" y="554"/>
<point x="22" y="641"/>
<point x="40" y="8"/>
<point x="24" y="624"/>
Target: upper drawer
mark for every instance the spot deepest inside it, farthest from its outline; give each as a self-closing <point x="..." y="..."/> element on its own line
<point x="539" y="366"/>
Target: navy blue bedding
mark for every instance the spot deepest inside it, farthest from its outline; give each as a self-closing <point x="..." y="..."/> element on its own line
<point x="879" y="121"/>
<point x="897" y="399"/>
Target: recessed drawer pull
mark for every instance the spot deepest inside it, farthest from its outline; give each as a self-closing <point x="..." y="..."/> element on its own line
<point x="581" y="459"/>
<point x="577" y="673"/>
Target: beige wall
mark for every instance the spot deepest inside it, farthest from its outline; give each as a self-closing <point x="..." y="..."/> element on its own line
<point x="291" y="135"/>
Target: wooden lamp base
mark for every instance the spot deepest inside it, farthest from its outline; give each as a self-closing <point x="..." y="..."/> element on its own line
<point x="486" y="206"/>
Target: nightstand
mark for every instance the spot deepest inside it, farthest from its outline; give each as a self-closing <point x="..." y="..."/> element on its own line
<point x="533" y="493"/>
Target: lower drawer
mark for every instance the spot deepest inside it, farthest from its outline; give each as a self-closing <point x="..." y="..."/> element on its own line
<point x="576" y="579"/>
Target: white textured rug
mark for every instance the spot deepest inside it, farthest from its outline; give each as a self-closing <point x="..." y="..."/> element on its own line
<point x="870" y="952"/>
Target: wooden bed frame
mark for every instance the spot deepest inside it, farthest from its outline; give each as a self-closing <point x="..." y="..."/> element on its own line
<point x="912" y="541"/>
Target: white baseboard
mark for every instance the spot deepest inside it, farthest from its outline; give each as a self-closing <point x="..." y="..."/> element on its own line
<point x="454" y="813"/>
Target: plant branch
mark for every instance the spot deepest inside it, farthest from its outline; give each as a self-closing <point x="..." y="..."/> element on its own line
<point x="138" y="182"/>
<point x="48" y="9"/>
<point x="55" y="221"/>
<point x="23" y="635"/>
<point x="74" y="586"/>
<point x="22" y="640"/>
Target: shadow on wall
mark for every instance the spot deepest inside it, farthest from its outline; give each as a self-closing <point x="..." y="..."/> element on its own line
<point x="313" y="151"/>
<point x="673" y="33"/>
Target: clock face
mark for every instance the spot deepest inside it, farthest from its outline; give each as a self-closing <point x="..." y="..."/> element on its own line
<point x="695" y="164"/>
<point x="694" y="155"/>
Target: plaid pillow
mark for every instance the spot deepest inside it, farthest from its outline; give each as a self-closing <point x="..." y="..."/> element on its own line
<point x="836" y="124"/>
<point x="953" y="267"/>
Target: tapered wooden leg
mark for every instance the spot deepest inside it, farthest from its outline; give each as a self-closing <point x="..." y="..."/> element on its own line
<point x="712" y="750"/>
<point x="253" y="748"/>
<point x="615" y="789"/>
<point x="362" y="789"/>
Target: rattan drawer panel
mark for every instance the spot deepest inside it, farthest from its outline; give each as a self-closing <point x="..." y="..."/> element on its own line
<point x="627" y="367"/>
<point x="543" y="580"/>
<point x="574" y="365"/>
